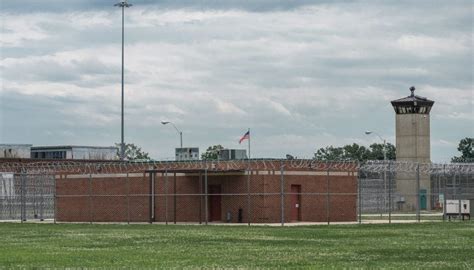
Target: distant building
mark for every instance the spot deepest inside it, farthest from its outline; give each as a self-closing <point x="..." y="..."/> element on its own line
<point x="232" y="154"/>
<point x="15" y="150"/>
<point x="74" y="152"/>
<point x="187" y="153"/>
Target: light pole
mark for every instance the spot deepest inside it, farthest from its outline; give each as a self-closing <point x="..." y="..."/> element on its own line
<point x="384" y="150"/>
<point x="179" y="132"/>
<point x="123" y="4"/>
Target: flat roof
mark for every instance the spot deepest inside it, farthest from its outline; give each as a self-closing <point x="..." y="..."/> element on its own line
<point x="16" y="144"/>
<point x="70" y="147"/>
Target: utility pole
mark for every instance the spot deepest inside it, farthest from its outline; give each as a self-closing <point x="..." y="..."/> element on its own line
<point x="123" y="4"/>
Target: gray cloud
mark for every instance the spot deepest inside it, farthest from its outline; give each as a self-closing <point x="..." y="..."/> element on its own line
<point x="302" y="75"/>
<point x="254" y="5"/>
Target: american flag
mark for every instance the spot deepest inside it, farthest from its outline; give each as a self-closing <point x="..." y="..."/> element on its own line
<point x="245" y="137"/>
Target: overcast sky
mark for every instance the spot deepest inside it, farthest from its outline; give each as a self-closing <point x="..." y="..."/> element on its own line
<point x="301" y="74"/>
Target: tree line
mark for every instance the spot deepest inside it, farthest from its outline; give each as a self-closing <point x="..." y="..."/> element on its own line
<point x="353" y="151"/>
<point x="356" y="152"/>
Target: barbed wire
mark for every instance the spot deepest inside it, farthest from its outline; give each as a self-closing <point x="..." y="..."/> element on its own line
<point x="412" y="167"/>
<point x="104" y="167"/>
<point x="109" y="167"/>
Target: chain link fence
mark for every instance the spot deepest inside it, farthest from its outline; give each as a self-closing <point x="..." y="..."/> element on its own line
<point x="257" y="192"/>
<point x="203" y="197"/>
<point x="26" y="196"/>
<point x="405" y="192"/>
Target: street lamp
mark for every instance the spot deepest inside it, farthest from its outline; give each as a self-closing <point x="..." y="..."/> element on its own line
<point x="123" y="4"/>
<point x="179" y="131"/>
<point x="384" y="150"/>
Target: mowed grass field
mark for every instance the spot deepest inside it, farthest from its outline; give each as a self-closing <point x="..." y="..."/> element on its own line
<point x="425" y="245"/>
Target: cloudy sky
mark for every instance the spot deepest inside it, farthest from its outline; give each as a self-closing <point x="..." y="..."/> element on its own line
<point x="301" y="74"/>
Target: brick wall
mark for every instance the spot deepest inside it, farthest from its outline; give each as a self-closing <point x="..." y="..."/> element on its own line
<point x="117" y="198"/>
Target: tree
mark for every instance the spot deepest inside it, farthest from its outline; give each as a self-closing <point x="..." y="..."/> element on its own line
<point x="467" y="152"/>
<point x="376" y="151"/>
<point x="347" y="152"/>
<point x="329" y="153"/>
<point x="133" y="152"/>
<point x="355" y="152"/>
<point x="212" y="152"/>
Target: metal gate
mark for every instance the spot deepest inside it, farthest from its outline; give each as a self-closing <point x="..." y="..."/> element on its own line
<point x="26" y="196"/>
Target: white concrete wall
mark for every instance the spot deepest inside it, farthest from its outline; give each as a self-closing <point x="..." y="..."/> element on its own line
<point x="94" y="153"/>
<point x="68" y="154"/>
<point x="15" y="151"/>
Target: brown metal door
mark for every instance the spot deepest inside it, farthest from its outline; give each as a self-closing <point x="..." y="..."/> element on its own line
<point x="214" y="202"/>
<point x="295" y="213"/>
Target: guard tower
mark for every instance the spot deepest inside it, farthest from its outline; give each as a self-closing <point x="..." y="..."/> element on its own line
<point x="412" y="125"/>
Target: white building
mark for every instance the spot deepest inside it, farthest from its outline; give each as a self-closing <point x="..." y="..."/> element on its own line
<point x="15" y="150"/>
<point x="232" y="154"/>
<point x="74" y="152"/>
<point x="187" y="153"/>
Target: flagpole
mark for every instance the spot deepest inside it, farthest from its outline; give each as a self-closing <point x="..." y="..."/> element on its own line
<point x="249" y="142"/>
<point x="249" y="172"/>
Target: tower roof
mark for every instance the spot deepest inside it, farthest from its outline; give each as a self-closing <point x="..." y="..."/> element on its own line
<point x="412" y="104"/>
<point x="412" y="100"/>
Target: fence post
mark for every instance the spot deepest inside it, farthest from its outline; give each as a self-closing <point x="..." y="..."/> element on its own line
<point x="384" y="186"/>
<point x="200" y="197"/>
<point x="41" y="198"/>
<point x="151" y="196"/>
<point x="128" y="199"/>
<point x="32" y="190"/>
<point x="327" y="193"/>
<point x="418" y="192"/>
<point x="206" y="198"/>
<point x="389" y="192"/>
<point x="459" y="196"/>
<point x="282" y="194"/>
<point x="380" y="199"/>
<point x="439" y="185"/>
<point x="23" y="199"/>
<point x="166" y="196"/>
<point x="359" y="193"/>
<point x="11" y="198"/>
<point x="174" y="198"/>
<point x="249" y="172"/>
<point x="90" y="199"/>
<point x="459" y="209"/>
<point x="3" y="198"/>
<point x="54" y="200"/>
<point x="454" y="186"/>
<point x="444" y="192"/>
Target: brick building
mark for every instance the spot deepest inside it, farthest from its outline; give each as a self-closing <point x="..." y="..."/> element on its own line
<point x="256" y="191"/>
<point x="179" y="194"/>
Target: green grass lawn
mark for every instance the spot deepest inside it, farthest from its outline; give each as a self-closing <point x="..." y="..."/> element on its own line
<point x="426" y="245"/>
